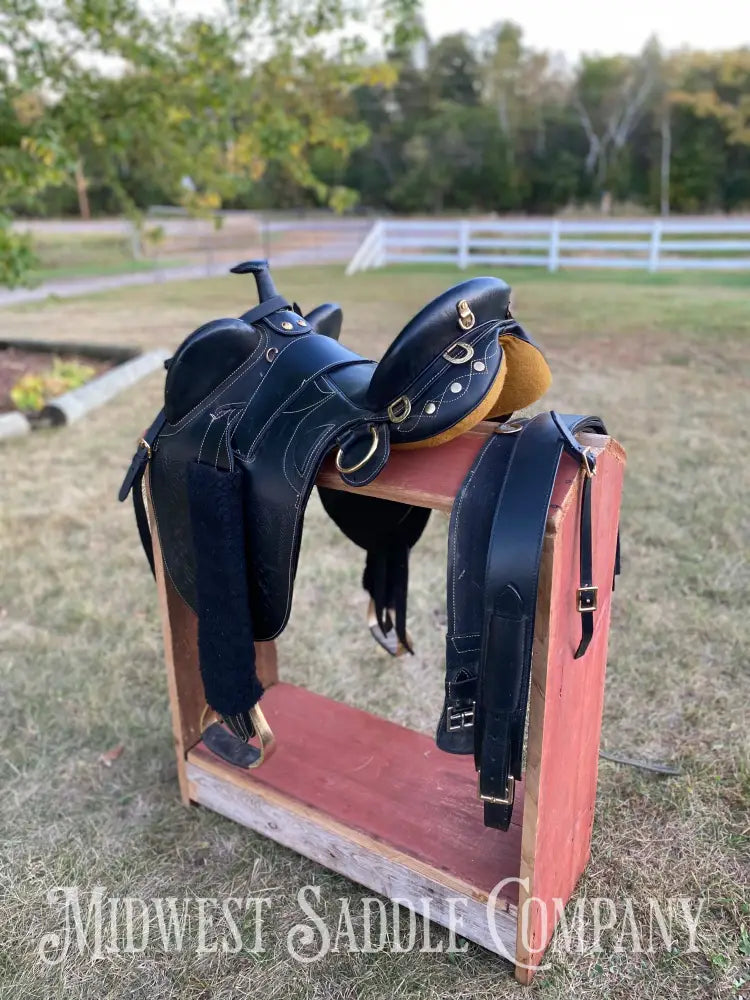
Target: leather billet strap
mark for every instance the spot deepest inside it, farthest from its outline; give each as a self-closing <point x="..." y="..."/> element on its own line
<point x="495" y="546"/>
<point x="133" y="480"/>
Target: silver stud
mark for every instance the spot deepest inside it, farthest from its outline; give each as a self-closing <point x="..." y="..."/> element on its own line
<point x="430" y="408"/>
<point x="456" y="387"/>
<point x="301" y="322"/>
<point x="479" y="366"/>
<point x="286" y="325"/>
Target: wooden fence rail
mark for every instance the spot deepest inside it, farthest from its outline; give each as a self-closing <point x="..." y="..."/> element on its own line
<point x="644" y="244"/>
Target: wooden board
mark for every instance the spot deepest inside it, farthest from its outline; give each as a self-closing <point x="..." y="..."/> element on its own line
<point x="374" y="801"/>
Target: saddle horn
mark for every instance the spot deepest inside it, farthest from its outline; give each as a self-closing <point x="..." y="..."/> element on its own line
<point x="263" y="280"/>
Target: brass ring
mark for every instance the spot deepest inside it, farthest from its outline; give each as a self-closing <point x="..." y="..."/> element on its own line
<point x="396" y="417"/>
<point x="373" y="448"/>
<point x="143" y="443"/>
<point x="467" y="355"/>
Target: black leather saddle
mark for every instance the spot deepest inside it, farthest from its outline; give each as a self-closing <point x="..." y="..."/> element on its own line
<point x="253" y="405"/>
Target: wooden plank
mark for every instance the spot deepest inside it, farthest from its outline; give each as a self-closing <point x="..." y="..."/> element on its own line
<point x="431" y="477"/>
<point x="565" y="713"/>
<point x="374" y="776"/>
<point x="371" y="863"/>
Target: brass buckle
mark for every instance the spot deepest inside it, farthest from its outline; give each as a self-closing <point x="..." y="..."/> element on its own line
<point x="590" y="595"/>
<point x="466" y="318"/>
<point x="467" y="353"/>
<point x="143" y="443"/>
<point x="586" y="461"/>
<point x="397" y="416"/>
<point x="371" y="451"/>
<point x="510" y="794"/>
<point x="459" y="718"/>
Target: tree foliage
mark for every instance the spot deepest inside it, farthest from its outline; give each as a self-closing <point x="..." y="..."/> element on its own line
<point x="114" y="105"/>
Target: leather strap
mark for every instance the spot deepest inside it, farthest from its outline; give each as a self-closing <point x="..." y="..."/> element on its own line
<point x="510" y="595"/>
<point x="133" y="479"/>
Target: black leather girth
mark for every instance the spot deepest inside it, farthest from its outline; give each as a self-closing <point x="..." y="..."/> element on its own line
<point x="225" y="628"/>
<point x="495" y="545"/>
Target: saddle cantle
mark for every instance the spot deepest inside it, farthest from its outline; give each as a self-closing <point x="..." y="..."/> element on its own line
<point x="254" y="404"/>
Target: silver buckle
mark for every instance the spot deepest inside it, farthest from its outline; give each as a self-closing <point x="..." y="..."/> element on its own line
<point x="459" y="718"/>
<point x="587" y="598"/>
<point x="510" y="794"/>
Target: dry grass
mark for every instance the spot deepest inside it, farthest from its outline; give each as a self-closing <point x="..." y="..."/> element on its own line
<point x="668" y="366"/>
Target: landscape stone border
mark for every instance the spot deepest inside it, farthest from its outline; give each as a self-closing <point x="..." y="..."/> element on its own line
<point x="130" y="365"/>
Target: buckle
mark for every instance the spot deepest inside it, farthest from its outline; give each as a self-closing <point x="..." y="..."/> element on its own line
<point x="459" y="718"/>
<point x="399" y="410"/>
<point x="466" y="318"/>
<point x="587" y="598"/>
<point x="510" y="794"/>
<point x="143" y="443"/>
<point x="589" y="463"/>
<point x="510" y="427"/>
<point x="465" y="353"/>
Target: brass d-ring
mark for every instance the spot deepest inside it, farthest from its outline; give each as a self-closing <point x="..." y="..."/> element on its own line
<point x="467" y="353"/>
<point x="143" y="443"/>
<point x="371" y="451"/>
<point x="399" y="410"/>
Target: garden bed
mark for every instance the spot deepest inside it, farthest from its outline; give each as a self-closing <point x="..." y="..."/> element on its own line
<point x="48" y="383"/>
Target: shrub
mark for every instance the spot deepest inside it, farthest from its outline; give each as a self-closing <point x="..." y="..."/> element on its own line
<point x="32" y="391"/>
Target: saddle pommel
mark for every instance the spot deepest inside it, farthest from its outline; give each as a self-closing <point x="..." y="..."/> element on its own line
<point x="260" y="270"/>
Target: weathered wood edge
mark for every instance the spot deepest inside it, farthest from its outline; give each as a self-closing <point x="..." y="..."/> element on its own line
<point x="368" y="862"/>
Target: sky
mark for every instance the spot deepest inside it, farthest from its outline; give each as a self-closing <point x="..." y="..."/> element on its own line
<point x="601" y="26"/>
<point x="592" y="26"/>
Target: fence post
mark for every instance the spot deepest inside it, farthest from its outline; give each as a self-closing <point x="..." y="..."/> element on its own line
<point x="379" y="257"/>
<point x="653" y="253"/>
<point x="553" y="262"/>
<point x="362" y="258"/>
<point x="463" y="244"/>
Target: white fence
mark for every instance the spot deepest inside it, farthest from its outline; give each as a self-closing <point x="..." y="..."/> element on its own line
<point x="648" y="244"/>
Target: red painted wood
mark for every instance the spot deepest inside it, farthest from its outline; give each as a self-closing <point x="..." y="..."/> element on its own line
<point x="572" y="714"/>
<point x="431" y="477"/>
<point x="386" y="781"/>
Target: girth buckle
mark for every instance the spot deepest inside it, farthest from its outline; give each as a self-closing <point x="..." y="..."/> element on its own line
<point x="587" y="598"/>
<point x="459" y="718"/>
<point x="510" y="794"/>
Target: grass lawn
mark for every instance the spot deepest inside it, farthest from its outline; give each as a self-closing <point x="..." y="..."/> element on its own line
<point x="88" y="254"/>
<point x="667" y="364"/>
